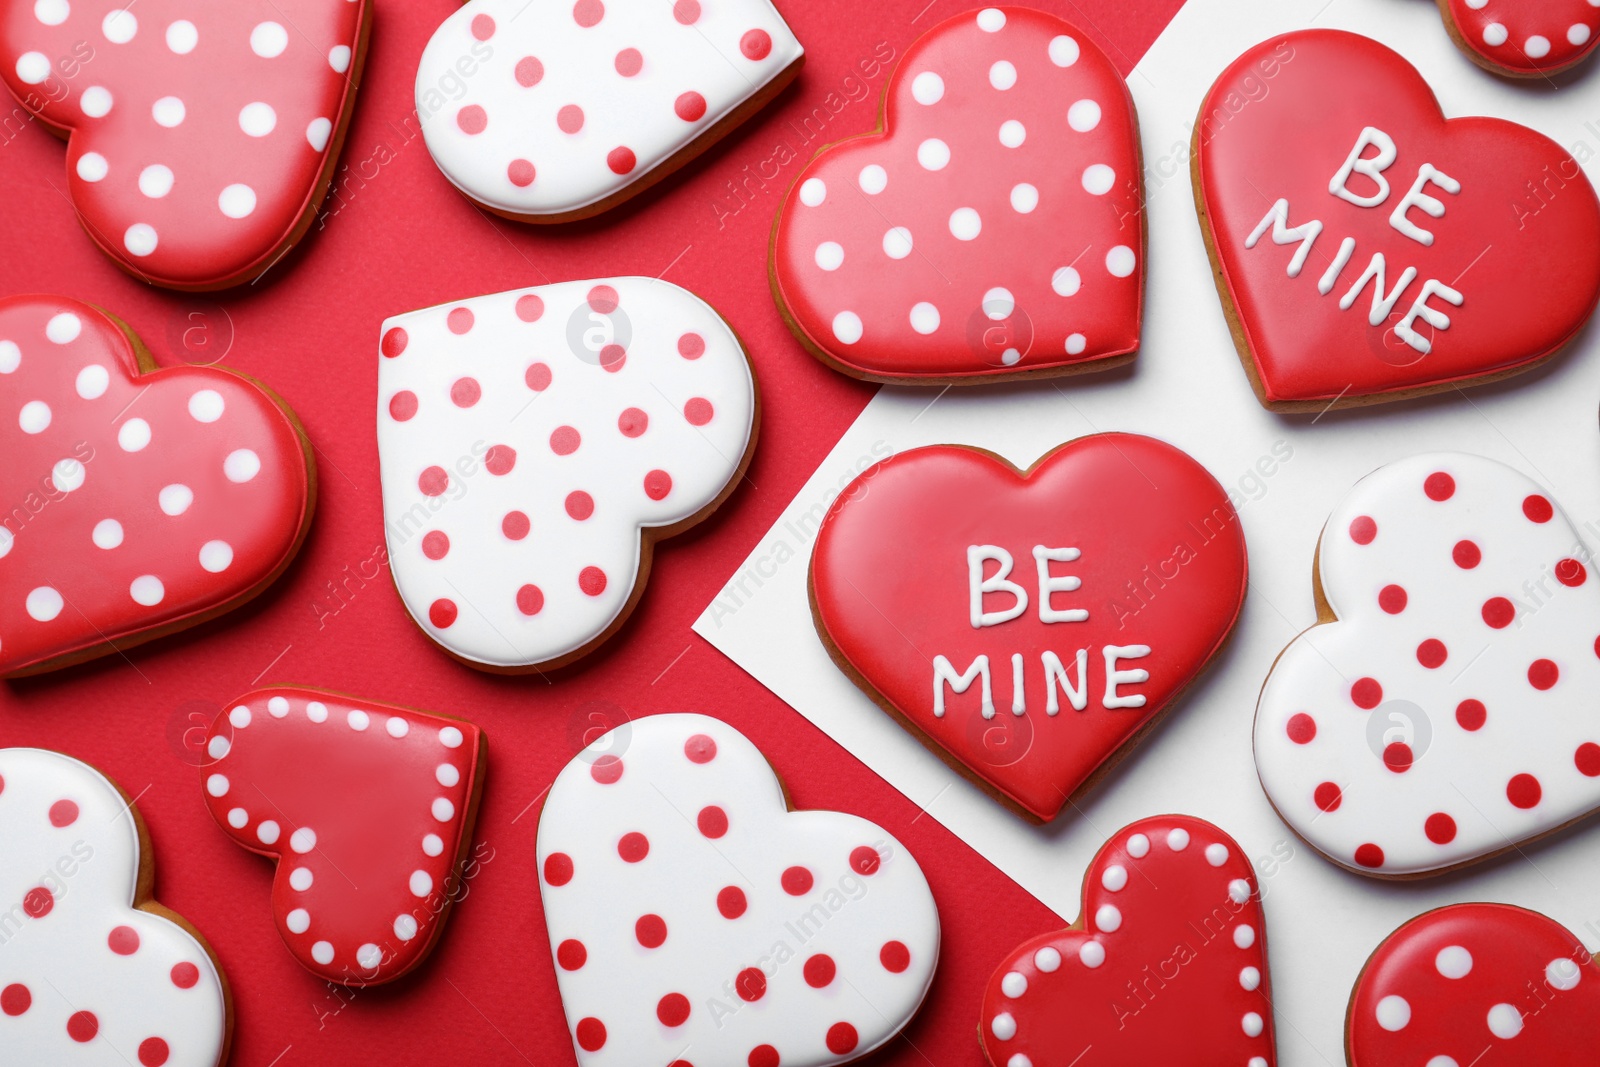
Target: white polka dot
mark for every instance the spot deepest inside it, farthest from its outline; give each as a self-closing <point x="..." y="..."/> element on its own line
<point x="1505" y="1021"/>
<point x="1249" y="979"/>
<point x="140" y="240"/>
<point x="339" y="58"/>
<point x="277" y="707"/>
<point x="147" y="590"/>
<point x="1024" y="198"/>
<point x="927" y="88"/>
<point x="405" y="927"/>
<point x="1244" y="935"/>
<point x="358" y="720"/>
<point x="830" y="255"/>
<point x="813" y="191"/>
<point x="1120" y="261"/>
<point x="1014" y="984"/>
<point x="446" y="774"/>
<point x="450" y="737"/>
<point x="1442" y="1061"/>
<point x="1217" y="854"/>
<point x="1477" y="5"/>
<point x="1076" y="343"/>
<point x="1578" y="34"/>
<point x="1453" y="961"/>
<point x="258" y="119"/>
<point x="1003" y="1026"/>
<point x="268" y="40"/>
<point x="433" y="844"/>
<point x="1002" y="75"/>
<point x="1108" y="918"/>
<point x="63" y="328"/>
<point x="873" y="179"/>
<point x="1257" y="1061"/>
<point x="218" y="748"/>
<point x="216" y="556"/>
<point x="1091" y="954"/>
<point x="1010" y="357"/>
<point x="175" y="499"/>
<point x="1083" y="116"/>
<point x="67" y="474"/>
<point x="206" y="405"/>
<point x="317" y="711"/>
<point x="107" y="534"/>
<point x="51" y="12"/>
<point x="965" y="223"/>
<point x="10" y="357"/>
<point x="155" y="181"/>
<point x="34" y="417"/>
<point x="238" y="818"/>
<point x="1138" y="844"/>
<point x="317" y="133"/>
<point x="924" y="317"/>
<point x="298" y="921"/>
<point x="1114" y="877"/>
<point x="897" y="242"/>
<point x="168" y="111"/>
<point x="1178" y="839"/>
<point x="303" y="840"/>
<point x="92" y="382"/>
<point x="119" y="26"/>
<point x="421" y="883"/>
<point x="182" y="37"/>
<point x="1537" y="47"/>
<point x="1065" y="281"/>
<point x="998" y="303"/>
<point x="1098" y="179"/>
<point x="217" y="785"/>
<point x="1239" y="891"/>
<point x="1393" y="1013"/>
<point x="396" y="727"/>
<point x="1012" y="133"/>
<point x="7" y="539"/>
<point x="322" y="952"/>
<point x="1495" y="35"/>
<point x="237" y="201"/>
<point x="96" y="101"/>
<point x="847" y="327"/>
<point x="133" y="435"/>
<point x="33" y="67"/>
<point x="1063" y="51"/>
<point x="1251" y="1024"/>
<point x="1562" y="973"/>
<point x="369" y="956"/>
<point x="267" y="832"/>
<point x="443" y="810"/>
<point x="991" y="20"/>
<point x="44" y="604"/>
<point x="241" y="465"/>
<point x="932" y="154"/>
<point x="92" y="167"/>
<point x="1047" y="960"/>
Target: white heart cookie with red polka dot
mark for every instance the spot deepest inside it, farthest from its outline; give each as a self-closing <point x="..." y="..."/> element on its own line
<point x="535" y="444"/>
<point x="201" y="136"/>
<point x="93" y="973"/>
<point x="694" y="918"/>
<point x="1524" y="38"/>
<point x="994" y="227"/>
<point x="1443" y="711"/>
<point x="557" y="111"/>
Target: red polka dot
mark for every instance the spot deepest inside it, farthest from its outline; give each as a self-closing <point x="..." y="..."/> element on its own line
<point x="1398" y="757"/>
<point x="580" y="505"/>
<point x="1498" y="612"/>
<point x="82" y="1026"/>
<point x="1392" y="599"/>
<point x="755" y="45"/>
<point x="571" y="954"/>
<point x="1523" y="791"/>
<point x="1440" y="828"/>
<point x="691" y="346"/>
<point x="442" y="613"/>
<point x="465" y="392"/>
<point x="564" y="440"/>
<point x="570" y="118"/>
<point x="38" y="902"/>
<point x="606" y="770"/>
<point x="603" y="299"/>
<point x="713" y="821"/>
<point x="537" y="376"/>
<point x="520" y="173"/>
<point x="690" y="107"/>
<point x="763" y="1056"/>
<point x="558" y="866"/>
<point x="842" y="1038"/>
<point x="500" y="459"/>
<point x="1587" y="759"/>
<point x="1471" y="714"/>
<point x="1367" y="693"/>
<point x="394" y="342"/>
<point x="686" y="11"/>
<point x="1537" y="508"/>
<point x="403" y="405"/>
<point x="530" y="308"/>
<point x="1542" y="674"/>
<point x="515" y="525"/>
<point x="633" y="422"/>
<point x="63" y="813"/>
<point x="591" y="1032"/>
<point x="530" y="600"/>
<point x="864" y="860"/>
<point x="633" y="847"/>
<point x="435" y="544"/>
<point x="797" y="881"/>
<point x="153" y="1052"/>
<point x="751" y="984"/>
<point x="185" y="975"/>
<point x="819" y="970"/>
<point x="530" y="71"/>
<point x="731" y="902"/>
<point x="894" y="956"/>
<point x="700" y="749"/>
<point x="1439" y="486"/>
<point x="1363" y="529"/>
<point x="588" y="13"/>
<point x="15" y="999"/>
<point x="621" y="160"/>
<point x="673" y="1009"/>
<point x="650" y="931"/>
<point x="592" y="580"/>
<point x="1432" y="653"/>
<point x="123" y="940"/>
<point x="698" y="411"/>
<point x="1466" y="554"/>
<point x="1369" y="855"/>
<point x="482" y="27"/>
<point x="612" y="358"/>
<point x="1328" y="796"/>
<point x="1570" y="572"/>
<point x="657" y="484"/>
<point x="629" y="62"/>
<point x="1302" y="728"/>
<point x="472" y="119"/>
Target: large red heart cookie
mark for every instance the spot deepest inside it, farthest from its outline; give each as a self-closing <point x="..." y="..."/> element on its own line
<point x="1524" y="38"/>
<point x="368" y="810"/>
<point x="142" y="500"/>
<point x="993" y="228"/>
<point x="201" y="136"/>
<point x="1367" y="249"/>
<point x="1476" y="985"/>
<point x="1029" y="625"/>
<point x="1167" y="963"/>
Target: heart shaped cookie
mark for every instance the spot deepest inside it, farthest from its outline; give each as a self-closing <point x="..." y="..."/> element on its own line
<point x="1029" y="625"/>
<point x="993" y="228"/>
<point x="536" y="444"/>
<point x="1367" y="249"/>
<point x="92" y="970"/>
<point x="142" y="500"/>
<point x="559" y="111"/>
<point x="1441" y="712"/>
<point x="1525" y="39"/>
<point x="1168" y="958"/>
<point x="367" y="810"/>
<point x="693" y="917"/>
<point x="201" y="137"/>
<point x="1483" y="984"/>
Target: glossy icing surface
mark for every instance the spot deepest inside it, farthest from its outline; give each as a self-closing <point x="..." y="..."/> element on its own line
<point x="139" y="501"/>
<point x="1447" y="714"/>
<point x="367" y="809"/>
<point x="693" y="917"/>
<point x="1166" y="965"/>
<point x="995" y="228"/>
<point x="549" y="109"/>
<point x="934" y="571"/>
<point x="1478" y="231"/>
<point x="199" y="132"/>
<point x="1526" y="37"/>
<point x="89" y="974"/>
<point x="529" y="440"/>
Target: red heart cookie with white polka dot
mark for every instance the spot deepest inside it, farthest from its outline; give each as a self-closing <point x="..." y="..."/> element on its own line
<point x="536" y="444"/>
<point x="993" y="228"/>
<point x="695" y="919"/>
<point x="1524" y="38"/>
<point x="93" y="972"/>
<point x="368" y="811"/>
<point x="200" y="136"/>
<point x="142" y="500"/>
<point x="557" y="111"/>
<point x="1476" y="985"/>
<point x="1168" y="957"/>
<point x="1442" y="712"/>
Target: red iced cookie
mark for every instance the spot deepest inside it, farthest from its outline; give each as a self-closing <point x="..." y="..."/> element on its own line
<point x="1524" y="38"/>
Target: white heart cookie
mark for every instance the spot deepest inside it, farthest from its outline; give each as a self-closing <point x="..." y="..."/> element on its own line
<point x="91" y="973"/>
<point x="693" y="917"/>
<point x="535" y="443"/>
<point x="555" y="111"/>
<point x="1447" y="714"/>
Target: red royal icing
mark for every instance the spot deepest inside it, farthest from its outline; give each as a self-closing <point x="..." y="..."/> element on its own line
<point x="1524" y="38"/>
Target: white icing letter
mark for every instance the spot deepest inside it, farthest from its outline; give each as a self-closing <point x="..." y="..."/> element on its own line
<point x="1415" y="197"/>
<point x="1114" y="677"/>
<point x="1382" y="303"/>
<point x="1018" y="696"/>
<point x="1048" y="583"/>
<point x="944" y="673"/>
<point x="1347" y="247"/>
<point x="1420" y="309"/>
<point x="1277" y="220"/>
<point x="1372" y="167"/>
<point x="978" y="585"/>
<point x="1055" y="673"/>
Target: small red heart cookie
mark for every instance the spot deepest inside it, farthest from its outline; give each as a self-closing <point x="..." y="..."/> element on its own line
<point x="142" y="500"/>
<point x="1524" y="38"/>
<point x="1029" y="624"/>
<point x="992" y="229"/>
<point x="1476" y="985"/>
<point x="1367" y="249"/>
<point x="368" y="810"/>
<point x="1167" y="963"/>
<point x="201" y="137"/>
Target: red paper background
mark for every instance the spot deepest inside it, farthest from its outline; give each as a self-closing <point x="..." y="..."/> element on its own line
<point x="398" y="237"/>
